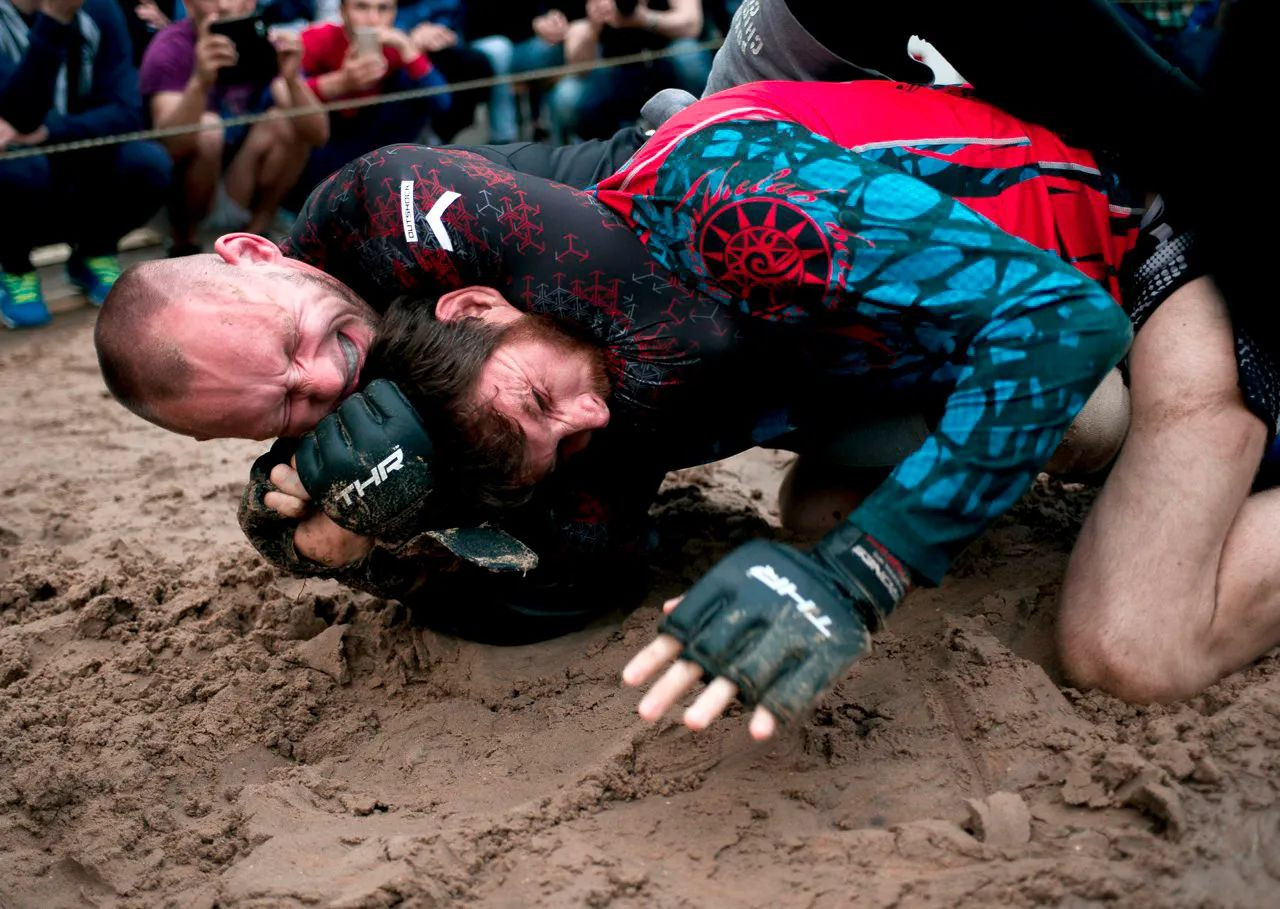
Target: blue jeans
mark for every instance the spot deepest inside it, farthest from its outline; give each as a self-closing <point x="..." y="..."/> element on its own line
<point x="506" y="57"/>
<point x="595" y="105"/>
<point x="89" y="199"/>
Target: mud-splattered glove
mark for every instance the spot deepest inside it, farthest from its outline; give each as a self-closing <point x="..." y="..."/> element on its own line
<point x="784" y="625"/>
<point x="391" y="575"/>
<point x="368" y="464"/>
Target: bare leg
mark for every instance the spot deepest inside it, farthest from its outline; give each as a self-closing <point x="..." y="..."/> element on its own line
<point x="815" y="497"/>
<point x="1175" y="580"/>
<point x="196" y="180"/>
<point x="265" y="169"/>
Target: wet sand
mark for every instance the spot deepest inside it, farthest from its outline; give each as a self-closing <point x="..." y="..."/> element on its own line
<point x="181" y="725"/>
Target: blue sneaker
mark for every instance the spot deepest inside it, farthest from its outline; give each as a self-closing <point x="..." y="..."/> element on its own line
<point x="21" y="302"/>
<point x="94" y="275"/>
<point x="1272" y="456"/>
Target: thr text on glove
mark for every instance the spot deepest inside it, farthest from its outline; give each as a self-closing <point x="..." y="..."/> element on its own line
<point x="771" y="625"/>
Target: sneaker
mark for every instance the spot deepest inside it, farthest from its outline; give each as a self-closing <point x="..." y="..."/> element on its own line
<point x="94" y="275"/>
<point x="21" y="302"/>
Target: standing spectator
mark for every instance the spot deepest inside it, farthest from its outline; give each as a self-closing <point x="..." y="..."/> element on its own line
<point x="65" y="74"/>
<point x="594" y="105"/>
<point x="532" y="38"/>
<point x="261" y="163"/>
<point x="336" y="69"/>
<point x="437" y="28"/>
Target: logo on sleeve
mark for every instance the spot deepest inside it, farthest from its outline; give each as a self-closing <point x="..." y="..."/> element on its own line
<point x="408" y="214"/>
<point x="435" y="219"/>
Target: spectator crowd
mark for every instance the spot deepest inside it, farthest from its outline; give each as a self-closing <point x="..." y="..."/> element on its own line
<point x="80" y="69"/>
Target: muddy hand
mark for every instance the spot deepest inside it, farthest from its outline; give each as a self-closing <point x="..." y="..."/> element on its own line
<point x="289" y="498"/>
<point x="680" y="678"/>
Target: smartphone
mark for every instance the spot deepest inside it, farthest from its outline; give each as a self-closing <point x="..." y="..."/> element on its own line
<point x="257" y="55"/>
<point x="368" y="42"/>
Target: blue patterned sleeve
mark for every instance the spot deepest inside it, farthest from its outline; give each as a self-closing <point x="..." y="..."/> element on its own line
<point x="789" y="228"/>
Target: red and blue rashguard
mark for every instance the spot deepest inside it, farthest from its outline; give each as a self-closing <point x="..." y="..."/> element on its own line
<point x="1021" y="176"/>
<point x="860" y="216"/>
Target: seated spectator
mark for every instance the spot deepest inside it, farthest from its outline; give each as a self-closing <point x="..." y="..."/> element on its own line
<point x="146" y="18"/>
<point x="258" y="164"/>
<point x="437" y="28"/>
<point x="337" y="69"/>
<point x="598" y="103"/>
<point x="65" y="74"/>
<point x="531" y="38"/>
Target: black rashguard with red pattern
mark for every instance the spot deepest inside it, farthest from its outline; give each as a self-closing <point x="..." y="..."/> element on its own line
<point x="420" y="220"/>
<point x="409" y="219"/>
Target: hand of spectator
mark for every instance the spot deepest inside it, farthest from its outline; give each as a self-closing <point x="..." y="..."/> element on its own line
<point x="213" y="52"/>
<point x="10" y="136"/>
<point x="430" y="37"/>
<point x="288" y="53"/>
<point x="361" y="73"/>
<point x="320" y="540"/>
<point x="317" y="537"/>
<point x="62" y="10"/>
<point x="602" y="12"/>
<point x="551" y="26"/>
<point x="148" y="12"/>
<point x="399" y="41"/>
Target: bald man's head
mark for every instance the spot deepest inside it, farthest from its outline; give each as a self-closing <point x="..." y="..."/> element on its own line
<point x="140" y="366"/>
<point x="239" y="344"/>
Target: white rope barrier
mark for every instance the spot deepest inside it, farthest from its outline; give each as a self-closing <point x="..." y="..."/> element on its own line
<point x="533" y="75"/>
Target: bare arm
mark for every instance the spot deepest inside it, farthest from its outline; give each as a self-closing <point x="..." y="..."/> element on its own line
<point x="187" y="107"/>
<point x="290" y="91"/>
<point x="581" y="41"/>
<point x="682" y="20"/>
<point x="184" y="108"/>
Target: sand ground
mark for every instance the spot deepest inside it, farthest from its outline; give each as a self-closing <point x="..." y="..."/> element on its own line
<point x="180" y="725"/>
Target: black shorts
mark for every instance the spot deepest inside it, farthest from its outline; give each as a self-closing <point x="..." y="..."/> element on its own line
<point x="1167" y="258"/>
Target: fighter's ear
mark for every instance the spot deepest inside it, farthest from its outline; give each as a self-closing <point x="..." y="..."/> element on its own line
<point x="247" y="249"/>
<point x="476" y="302"/>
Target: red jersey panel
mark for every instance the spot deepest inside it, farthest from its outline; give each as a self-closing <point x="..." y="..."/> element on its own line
<point x="1021" y="176"/>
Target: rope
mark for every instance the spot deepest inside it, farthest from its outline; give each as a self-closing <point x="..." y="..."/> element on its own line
<point x="535" y="75"/>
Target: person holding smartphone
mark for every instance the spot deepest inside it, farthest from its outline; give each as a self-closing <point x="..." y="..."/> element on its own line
<point x="365" y="55"/>
<point x="220" y="63"/>
<point x="594" y="104"/>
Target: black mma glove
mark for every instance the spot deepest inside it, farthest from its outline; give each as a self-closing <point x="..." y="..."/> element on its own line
<point x="384" y="573"/>
<point x="784" y="625"/>
<point x="368" y="464"/>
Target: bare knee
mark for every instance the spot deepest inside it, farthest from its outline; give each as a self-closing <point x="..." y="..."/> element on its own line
<point x="209" y="145"/>
<point x="277" y="137"/>
<point x="1121" y="650"/>
<point x="814" y="497"/>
